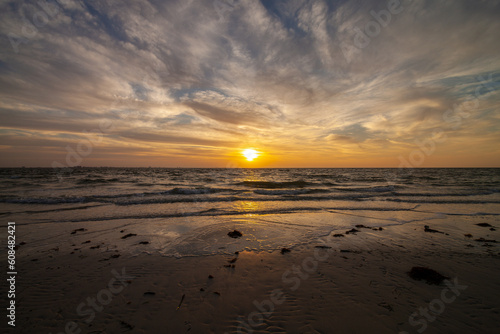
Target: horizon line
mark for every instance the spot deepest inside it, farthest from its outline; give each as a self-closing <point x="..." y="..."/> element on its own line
<point x="77" y="167"/>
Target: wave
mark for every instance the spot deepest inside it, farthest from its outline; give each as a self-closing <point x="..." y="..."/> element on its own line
<point x="193" y="195"/>
<point x="275" y="185"/>
<point x="368" y="179"/>
<point x="444" y="201"/>
<point x="291" y="192"/>
<point x="371" y="189"/>
<point x="97" y="180"/>
<point x="446" y="194"/>
<point x="217" y="212"/>
<point x="53" y="200"/>
<point x="328" y="183"/>
<point x="192" y="199"/>
<point x="195" y="191"/>
<point x="19" y="183"/>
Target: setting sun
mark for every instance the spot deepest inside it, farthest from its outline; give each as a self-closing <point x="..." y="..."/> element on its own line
<point x="250" y="154"/>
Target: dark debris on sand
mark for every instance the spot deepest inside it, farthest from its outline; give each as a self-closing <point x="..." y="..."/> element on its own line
<point x="386" y="306"/>
<point x="485" y="240"/>
<point x="16" y="247"/>
<point x="126" y="325"/>
<point x="353" y="230"/>
<point x="114" y="256"/>
<point x="484" y="225"/>
<point x="338" y="235"/>
<point x="180" y="303"/>
<point x="79" y="230"/>
<point x="129" y="235"/>
<point x="428" y="229"/>
<point x="429" y="275"/>
<point x="285" y="250"/>
<point x="350" y="251"/>
<point x="234" y="234"/>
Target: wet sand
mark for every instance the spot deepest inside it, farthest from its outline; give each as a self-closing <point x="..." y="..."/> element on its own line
<point x="357" y="283"/>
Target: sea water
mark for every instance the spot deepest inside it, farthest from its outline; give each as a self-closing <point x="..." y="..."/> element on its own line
<point x="184" y="211"/>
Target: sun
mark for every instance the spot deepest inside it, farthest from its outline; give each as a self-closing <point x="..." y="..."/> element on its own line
<point x="250" y="154"/>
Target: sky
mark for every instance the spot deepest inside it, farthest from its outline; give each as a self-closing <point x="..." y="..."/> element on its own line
<point x="307" y="83"/>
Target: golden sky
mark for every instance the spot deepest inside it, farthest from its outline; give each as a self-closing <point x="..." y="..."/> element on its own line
<point x="304" y="83"/>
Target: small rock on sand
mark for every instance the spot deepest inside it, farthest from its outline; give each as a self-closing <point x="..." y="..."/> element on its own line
<point x="234" y="234"/>
<point x="285" y="250"/>
<point x="429" y="275"/>
<point x="129" y="235"/>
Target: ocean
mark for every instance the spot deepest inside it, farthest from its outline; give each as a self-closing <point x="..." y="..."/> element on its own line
<point x="187" y="212"/>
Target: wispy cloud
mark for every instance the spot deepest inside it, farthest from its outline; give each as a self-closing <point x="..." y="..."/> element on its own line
<point x="182" y="81"/>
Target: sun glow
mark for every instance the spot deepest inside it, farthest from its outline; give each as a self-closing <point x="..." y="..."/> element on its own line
<point x="250" y="154"/>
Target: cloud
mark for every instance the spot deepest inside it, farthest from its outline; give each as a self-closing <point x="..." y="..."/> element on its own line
<point x="287" y="76"/>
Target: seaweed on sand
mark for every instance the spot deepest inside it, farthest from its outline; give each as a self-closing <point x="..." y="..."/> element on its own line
<point x="429" y="275"/>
